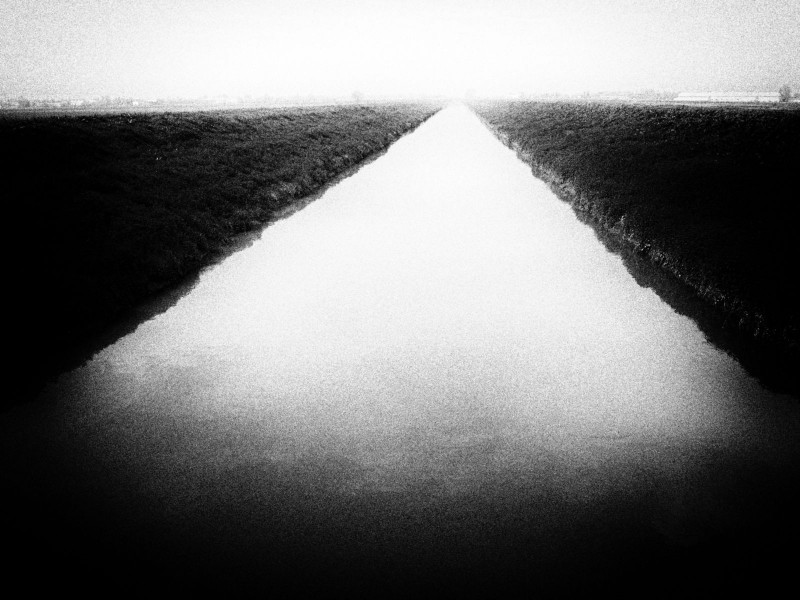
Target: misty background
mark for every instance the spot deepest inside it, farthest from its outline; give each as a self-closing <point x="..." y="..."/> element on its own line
<point x="192" y="48"/>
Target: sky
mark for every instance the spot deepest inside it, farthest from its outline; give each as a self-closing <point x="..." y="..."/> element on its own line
<point x="195" y="48"/>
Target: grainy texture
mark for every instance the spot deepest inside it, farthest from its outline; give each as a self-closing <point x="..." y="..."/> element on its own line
<point x="108" y="209"/>
<point x="708" y="194"/>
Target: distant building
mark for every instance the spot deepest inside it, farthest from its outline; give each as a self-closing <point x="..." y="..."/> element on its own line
<point x="738" y="97"/>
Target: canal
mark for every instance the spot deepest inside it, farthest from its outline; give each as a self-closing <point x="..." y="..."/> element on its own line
<point x="432" y="373"/>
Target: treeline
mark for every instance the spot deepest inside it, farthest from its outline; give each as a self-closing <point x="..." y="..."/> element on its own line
<point x="105" y="210"/>
<point x="708" y="195"/>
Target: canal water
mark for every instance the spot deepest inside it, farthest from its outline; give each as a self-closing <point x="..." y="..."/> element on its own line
<point x="432" y="373"/>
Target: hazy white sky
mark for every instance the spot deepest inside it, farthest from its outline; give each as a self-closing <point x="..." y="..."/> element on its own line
<point x="168" y="48"/>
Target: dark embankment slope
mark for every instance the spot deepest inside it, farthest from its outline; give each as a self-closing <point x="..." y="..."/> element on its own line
<point x="105" y="210"/>
<point x="706" y="195"/>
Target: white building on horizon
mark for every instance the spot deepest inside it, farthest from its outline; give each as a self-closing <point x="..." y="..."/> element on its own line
<point x="737" y="97"/>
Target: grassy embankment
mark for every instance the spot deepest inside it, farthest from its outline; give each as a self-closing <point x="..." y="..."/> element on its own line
<point x="106" y="210"/>
<point x="709" y="195"/>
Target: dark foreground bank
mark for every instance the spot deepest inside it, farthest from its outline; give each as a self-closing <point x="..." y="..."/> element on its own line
<point x="83" y="547"/>
<point x="706" y="195"/>
<point x="106" y="210"/>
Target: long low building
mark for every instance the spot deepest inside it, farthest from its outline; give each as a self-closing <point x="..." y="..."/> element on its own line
<point x="728" y="97"/>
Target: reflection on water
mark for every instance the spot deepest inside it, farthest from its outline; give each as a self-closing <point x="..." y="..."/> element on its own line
<point x="773" y="364"/>
<point x="434" y="368"/>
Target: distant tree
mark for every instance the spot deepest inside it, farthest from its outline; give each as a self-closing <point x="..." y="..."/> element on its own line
<point x="785" y="92"/>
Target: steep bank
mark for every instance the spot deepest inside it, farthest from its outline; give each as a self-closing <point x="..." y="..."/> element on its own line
<point x="108" y="209"/>
<point x="700" y="193"/>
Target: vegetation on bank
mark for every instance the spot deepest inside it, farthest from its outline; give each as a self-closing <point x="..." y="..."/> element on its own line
<point x="708" y="194"/>
<point x="105" y="210"/>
